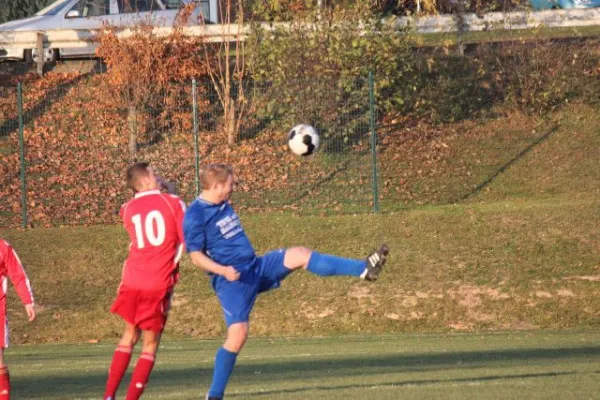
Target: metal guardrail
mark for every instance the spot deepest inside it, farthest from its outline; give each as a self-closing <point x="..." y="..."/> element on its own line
<point x="504" y="21"/>
<point x="83" y="37"/>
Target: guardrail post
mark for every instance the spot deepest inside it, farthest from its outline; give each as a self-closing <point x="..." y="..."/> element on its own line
<point x="40" y="53"/>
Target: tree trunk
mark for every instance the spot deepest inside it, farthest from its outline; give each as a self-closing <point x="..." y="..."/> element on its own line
<point x="461" y="25"/>
<point x="230" y="125"/>
<point x="132" y="125"/>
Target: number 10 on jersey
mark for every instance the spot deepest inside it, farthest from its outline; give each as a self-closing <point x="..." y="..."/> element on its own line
<point x="151" y="231"/>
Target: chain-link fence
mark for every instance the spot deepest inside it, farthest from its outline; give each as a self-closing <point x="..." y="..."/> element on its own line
<point x="76" y="143"/>
<point x="10" y="206"/>
<point x="66" y="140"/>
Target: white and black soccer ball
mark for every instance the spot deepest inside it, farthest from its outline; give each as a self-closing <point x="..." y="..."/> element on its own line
<point x="303" y="140"/>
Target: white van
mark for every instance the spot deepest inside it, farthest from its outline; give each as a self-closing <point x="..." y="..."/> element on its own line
<point x="92" y="15"/>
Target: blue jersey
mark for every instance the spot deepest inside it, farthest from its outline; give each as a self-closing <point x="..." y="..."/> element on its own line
<point x="215" y="230"/>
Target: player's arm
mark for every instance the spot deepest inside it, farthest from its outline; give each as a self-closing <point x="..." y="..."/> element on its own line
<point x="179" y="215"/>
<point x="202" y="261"/>
<point x="18" y="277"/>
<point x="195" y="244"/>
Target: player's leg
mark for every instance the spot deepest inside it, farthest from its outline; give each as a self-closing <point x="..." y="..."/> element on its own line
<point x="4" y="375"/>
<point x="237" y="334"/>
<point x="4" y="378"/>
<point x="151" y="316"/>
<point x="144" y="366"/>
<point x="237" y="300"/>
<point x="330" y="265"/>
<point x="121" y="360"/>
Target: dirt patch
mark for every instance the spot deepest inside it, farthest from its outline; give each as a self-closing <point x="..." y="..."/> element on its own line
<point x="590" y="278"/>
<point x="317" y="314"/>
<point x="359" y="292"/>
<point x="410" y="301"/>
<point x="565" y="293"/>
<point x="416" y="315"/>
<point x="310" y="312"/>
<point x="178" y="301"/>
<point x="460" y="326"/>
<point x="472" y="296"/>
<point x="429" y="295"/>
<point x="480" y="316"/>
<point x="543" y="294"/>
<point x="393" y="316"/>
<point x="413" y="315"/>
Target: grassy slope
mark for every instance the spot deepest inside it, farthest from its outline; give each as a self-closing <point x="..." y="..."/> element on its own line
<point x="521" y="252"/>
<point x="536" y="365"/>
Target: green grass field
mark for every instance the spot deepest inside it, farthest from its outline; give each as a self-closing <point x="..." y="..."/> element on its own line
<point x="521" y="252"/>
<point x="491" y="295"/>
<point x="510" y="365"/>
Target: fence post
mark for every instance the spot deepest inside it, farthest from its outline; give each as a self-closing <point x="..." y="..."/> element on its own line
<point x="374" y="176"/>
<point x="22" y="156"/>
<point x="196" y="152"/>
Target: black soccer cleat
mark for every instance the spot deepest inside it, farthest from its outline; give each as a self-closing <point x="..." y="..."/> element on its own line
<point x="375" y="262"/>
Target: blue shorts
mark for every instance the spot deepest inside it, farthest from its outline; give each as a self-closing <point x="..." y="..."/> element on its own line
<point x="237" y="298"/>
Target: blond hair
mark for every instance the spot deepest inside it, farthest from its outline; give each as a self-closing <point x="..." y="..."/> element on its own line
<point x="215" y="173"/>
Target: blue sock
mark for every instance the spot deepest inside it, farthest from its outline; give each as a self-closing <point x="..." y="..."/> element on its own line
<point x="224" y="363"/>
<point x="327" y="265"/>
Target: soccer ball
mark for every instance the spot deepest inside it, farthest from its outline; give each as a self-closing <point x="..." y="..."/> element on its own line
<point x="303" y="140"/>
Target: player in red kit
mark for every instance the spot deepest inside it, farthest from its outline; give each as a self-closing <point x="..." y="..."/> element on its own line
<point x="153" y="221"/>
<point x="10" y="266"/>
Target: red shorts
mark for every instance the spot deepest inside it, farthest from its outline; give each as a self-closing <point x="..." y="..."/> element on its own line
<point x="146" y="309"/>
<point x="3" y="324"/>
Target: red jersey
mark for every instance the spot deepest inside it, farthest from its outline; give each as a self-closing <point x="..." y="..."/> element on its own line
<point x="11" y="267"/>
<point x="153" y="221"/>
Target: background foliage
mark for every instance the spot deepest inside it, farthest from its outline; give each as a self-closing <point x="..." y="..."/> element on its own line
<point x="17" y="9"/>
<point x="334" y="49"/>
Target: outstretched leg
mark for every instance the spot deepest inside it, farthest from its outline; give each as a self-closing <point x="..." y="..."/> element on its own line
<point x="120" y="360"/>
<point x="329" y="265"/>
<point x="225" y="359"/>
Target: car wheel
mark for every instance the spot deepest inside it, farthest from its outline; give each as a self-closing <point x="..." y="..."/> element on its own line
<point x="52" y="55"/>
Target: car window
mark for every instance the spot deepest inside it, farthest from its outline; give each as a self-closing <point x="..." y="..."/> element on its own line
<point x="92" y="8"/>
<point x="133" y="6"/>
<point x="172" y="4"/>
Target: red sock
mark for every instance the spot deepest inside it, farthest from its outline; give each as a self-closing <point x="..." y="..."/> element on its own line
<point x="4" y="384"/>
<point x="119" y="365"/>
<point x="140" y="376"/>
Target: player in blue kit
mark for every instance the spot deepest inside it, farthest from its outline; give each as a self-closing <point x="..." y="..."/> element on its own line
<point x="217" y="243"/>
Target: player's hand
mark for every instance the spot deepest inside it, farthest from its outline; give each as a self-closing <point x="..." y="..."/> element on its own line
<point x="30" y="308"/>
<point x="166" y="185"/>
<point x="231" y="274"/>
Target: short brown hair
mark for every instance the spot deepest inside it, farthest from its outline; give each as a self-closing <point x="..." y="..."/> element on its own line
<point x="215" y="173"/>
<point x="135" y="172"/>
